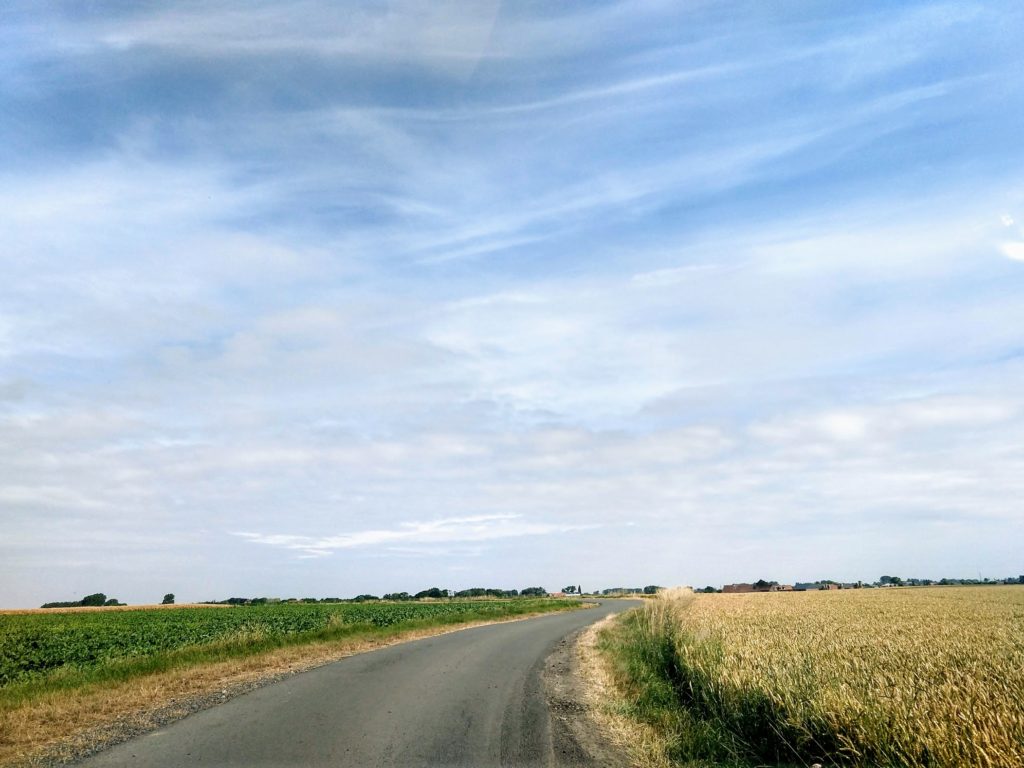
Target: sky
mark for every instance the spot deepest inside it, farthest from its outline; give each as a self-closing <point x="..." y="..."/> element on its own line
<point x="320" y="299"/>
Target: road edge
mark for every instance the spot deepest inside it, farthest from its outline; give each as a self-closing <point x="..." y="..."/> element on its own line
<point x="579" y="736"/>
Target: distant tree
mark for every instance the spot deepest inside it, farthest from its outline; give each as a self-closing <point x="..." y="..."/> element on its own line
<point x="97" y="599"/>
<point x="579" y="590"/>
<point x="570" y="590"/>
<point x="364" y="598"/>
<point x="432" y="592"/>
<point x="762" y="584"/>
<point x="111" y="601"/>
<point x="533" y="592"/>
<point x="651" y="590"/>
<point x="398" y="596"/>
<point x="168" y="599"/>
<point x="894" y="580"/>
<point x="710" y="590"/>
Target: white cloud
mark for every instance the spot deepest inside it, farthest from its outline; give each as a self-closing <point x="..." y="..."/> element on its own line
<point x="627" y="291"/>
<point x="443" y="34"/>
<point x="473" y="528"/>
<point x="675" y="275"/>
<point x="1013" y="250"/>
<point x="843" y="426"/>
<point x="890" y="422"/>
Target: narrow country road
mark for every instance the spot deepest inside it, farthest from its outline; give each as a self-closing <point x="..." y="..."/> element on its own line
<point x="468" y="698"/>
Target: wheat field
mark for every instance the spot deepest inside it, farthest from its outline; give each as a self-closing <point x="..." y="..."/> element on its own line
<point x="890" y="677"/>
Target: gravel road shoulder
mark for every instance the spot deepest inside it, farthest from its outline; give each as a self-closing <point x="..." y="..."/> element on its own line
<point x="578" y="736"/>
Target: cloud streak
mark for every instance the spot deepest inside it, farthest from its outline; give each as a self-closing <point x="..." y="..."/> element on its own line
<point x="611" y="292"/>
<point x="474" y="528"/>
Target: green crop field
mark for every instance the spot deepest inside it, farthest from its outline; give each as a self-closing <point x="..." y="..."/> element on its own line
<point x="39" y="645"/>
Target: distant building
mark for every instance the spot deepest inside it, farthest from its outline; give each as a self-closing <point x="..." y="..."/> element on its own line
<point x="811" y="586"/>
<point x="738" y="588"/>
<point x="760" y="586"/>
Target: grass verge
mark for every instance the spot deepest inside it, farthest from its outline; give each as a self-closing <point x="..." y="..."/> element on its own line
<point x="73" y="711"/>
<point x="641" y="743"/>
<point x="649" y="696"/>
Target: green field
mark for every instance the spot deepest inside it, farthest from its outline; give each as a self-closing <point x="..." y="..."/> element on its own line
<point x="40" y="647"/>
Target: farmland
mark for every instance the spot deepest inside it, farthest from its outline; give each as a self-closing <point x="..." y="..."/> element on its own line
<point x="37" y="646"/>
<point x="899" y="677"/>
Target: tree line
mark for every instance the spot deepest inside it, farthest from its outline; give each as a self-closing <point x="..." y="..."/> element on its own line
<point x="435" y="593"/>
<point x="94" y="600"/>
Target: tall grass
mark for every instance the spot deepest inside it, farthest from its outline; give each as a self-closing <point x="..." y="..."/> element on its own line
<point x="923" y="677"/>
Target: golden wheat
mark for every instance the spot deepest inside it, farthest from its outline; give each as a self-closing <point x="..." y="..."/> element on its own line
<point x="896" y="677"/>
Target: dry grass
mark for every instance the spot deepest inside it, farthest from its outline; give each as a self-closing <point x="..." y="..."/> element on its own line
<point x="641" y="742"/>
<point x="64" y="724"/>
<point x="907" y="677"/>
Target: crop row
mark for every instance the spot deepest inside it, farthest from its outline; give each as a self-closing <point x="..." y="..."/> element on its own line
<point x="35" y="644"/>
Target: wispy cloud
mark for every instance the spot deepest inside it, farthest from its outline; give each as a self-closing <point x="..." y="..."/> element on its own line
<point x="473" y="528"/>
<point x="612" y="292"/>
<point x="889" y="421"/>
<point x="1013" y="250"/>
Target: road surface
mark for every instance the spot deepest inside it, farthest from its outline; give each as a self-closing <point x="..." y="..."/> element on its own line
<point x="468" y="698"/>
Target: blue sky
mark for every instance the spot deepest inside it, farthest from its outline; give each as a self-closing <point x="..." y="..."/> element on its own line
<point x="320" y="299"/>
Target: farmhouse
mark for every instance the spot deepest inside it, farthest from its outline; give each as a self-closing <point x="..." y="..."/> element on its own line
<point x="807" y="586"/>
<point x="759" y="586"/>
<point x="738" y="588"/>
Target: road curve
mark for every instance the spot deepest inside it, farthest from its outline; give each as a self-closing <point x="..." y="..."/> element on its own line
<point x="468" y="698"/>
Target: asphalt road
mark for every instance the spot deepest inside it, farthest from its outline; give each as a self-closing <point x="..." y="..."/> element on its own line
<point x="469" y="698"/>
